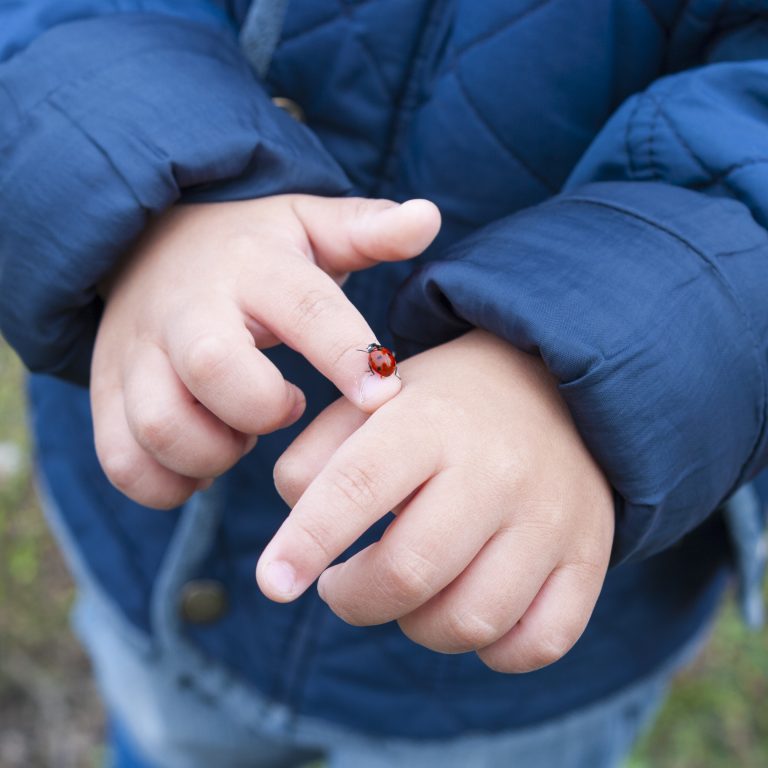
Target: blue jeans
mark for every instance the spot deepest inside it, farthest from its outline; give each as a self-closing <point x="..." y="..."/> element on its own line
<point x="599" y="736"/>
<point x="595" y="738"/>
<point x="172" y="708"/>
<point x="157" y="724"/>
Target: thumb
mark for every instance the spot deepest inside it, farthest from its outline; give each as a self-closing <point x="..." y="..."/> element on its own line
<point x="352" y="233"/>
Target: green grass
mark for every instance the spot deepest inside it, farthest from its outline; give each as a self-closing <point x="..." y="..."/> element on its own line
<point x="716" y="717"/>
<point x="49" y="714"/>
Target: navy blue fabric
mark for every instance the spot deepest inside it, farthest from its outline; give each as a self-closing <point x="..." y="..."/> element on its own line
<point x="627" y="137"/>
<point x="633" y="300"/>
<point x="161" y="77"/>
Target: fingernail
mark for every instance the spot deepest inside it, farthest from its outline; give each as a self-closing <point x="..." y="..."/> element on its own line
<point x="374" y="388"/>
<point x="299" y="406"/>
<point x="280" y="577"/>
<point x="326" y="577"/>
<point x="321" y="588"/>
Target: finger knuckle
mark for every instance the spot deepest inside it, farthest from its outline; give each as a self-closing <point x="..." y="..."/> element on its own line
<point x="534" y="649"/>
<point x="291" y="478"/>
<point x="165" y="498"/>
<point x="204" y="356"/>
<point x="551" y="645"/>
<point x="310" y="307"/>
<point x="318" y="536"/>
<point x="409" y="577"/>
<point x="122" y="470"/>
<point x="154" y="430"/>
<point x="468" y="631"/>
<point x="589" y="570"/>
<point x="362" y="207"/>
<point x="356" y="486"/>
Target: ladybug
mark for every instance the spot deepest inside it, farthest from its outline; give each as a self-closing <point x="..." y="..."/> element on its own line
<point x="381" y="360"/>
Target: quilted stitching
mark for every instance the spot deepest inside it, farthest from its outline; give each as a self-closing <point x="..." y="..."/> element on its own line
<point x="498" y="137"/>
<point x="505" y="27"/>
<point x="654" y="14"/>
<point x="334" y="17"/>
<point x="348" y="12"/>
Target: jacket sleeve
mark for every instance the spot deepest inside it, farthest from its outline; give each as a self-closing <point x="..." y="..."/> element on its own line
<point x="644" y="288"/>
<point x="105" y="120"/>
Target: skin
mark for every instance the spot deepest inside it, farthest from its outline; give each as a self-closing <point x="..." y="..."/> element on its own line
<point x="504" y="521"/>
<point x="179" y="387"/>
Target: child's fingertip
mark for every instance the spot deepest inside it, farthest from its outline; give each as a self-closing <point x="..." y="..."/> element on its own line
<point x="277" y="580"/>
<point x="376" y="390"/>
<point x="299" y="405"/>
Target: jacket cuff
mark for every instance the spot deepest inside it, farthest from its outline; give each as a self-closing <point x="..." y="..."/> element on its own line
<point x="647" y="302"/>
<point x="104" y="123"/>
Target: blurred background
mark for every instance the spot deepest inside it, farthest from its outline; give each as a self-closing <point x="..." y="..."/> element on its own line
<point x="717" y="716"/>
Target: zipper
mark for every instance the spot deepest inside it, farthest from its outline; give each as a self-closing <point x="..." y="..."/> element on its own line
<point x="434" y="39"/>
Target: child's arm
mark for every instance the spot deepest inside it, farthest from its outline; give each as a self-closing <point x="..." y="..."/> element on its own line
<point x="647" y="303"/>
<point x="504" y="525"/>
<point x="646" y="300"/>
<point x="107" y="119"/>
<point x="179" y="388"/>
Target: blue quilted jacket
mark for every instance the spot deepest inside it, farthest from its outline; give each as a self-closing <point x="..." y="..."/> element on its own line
<point x="602" y="171"/>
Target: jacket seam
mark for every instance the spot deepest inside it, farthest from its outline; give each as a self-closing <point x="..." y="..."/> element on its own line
<point x="632" y="164"/>
<point x="13" y="102"/>
<point x="408" y="102"/>
<point x="333" y="18"/>
<point x="654" y="14"/>
<point x="480" y="39"/>
<point x="86" y="75"/>
<point x="722" y="175"/>
<point x="735" y="298"/>
<point x="682" y="141"/>
<point x="101" y="150"/>
<point x="535" y="175"/>
<point x="349" y="15"/>
<point x="653" y="163"/>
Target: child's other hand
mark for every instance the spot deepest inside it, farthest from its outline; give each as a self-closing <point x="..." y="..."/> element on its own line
<point x="179" y="388"/>
<point x="505" y="522"/>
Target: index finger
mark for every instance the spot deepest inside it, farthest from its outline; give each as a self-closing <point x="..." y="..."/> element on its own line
<point x="307" y="310"/>
<point x="363" y="480"/>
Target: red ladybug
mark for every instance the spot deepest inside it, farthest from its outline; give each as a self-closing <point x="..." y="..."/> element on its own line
<point x="381" y="360"/>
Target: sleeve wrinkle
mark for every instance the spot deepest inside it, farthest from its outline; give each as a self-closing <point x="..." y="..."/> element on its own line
<point x="738" y="303"/>
<point x="95" y="144"/>
<point x="88" y="75"/>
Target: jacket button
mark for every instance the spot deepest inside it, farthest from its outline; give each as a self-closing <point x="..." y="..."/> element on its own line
<point x="203" y="601"/>
<point x="291" y="107"/>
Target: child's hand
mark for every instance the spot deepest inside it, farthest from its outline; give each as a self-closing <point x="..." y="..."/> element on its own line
<point x="179" y="388"/>
<point x="505" y="522"/>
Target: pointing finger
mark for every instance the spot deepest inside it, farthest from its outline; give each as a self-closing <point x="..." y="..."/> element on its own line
<point x="358" y="486"/>
<point x="422" y="551"/>
<point x="311" y="314"/>
<point x="348" y="234"/>
<point x="306" y="456"/>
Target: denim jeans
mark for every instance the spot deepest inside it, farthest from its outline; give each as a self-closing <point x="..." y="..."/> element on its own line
<point x="173" y="708"/>
<point x="598" y="737"/>
<point x="156" y="723"/>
